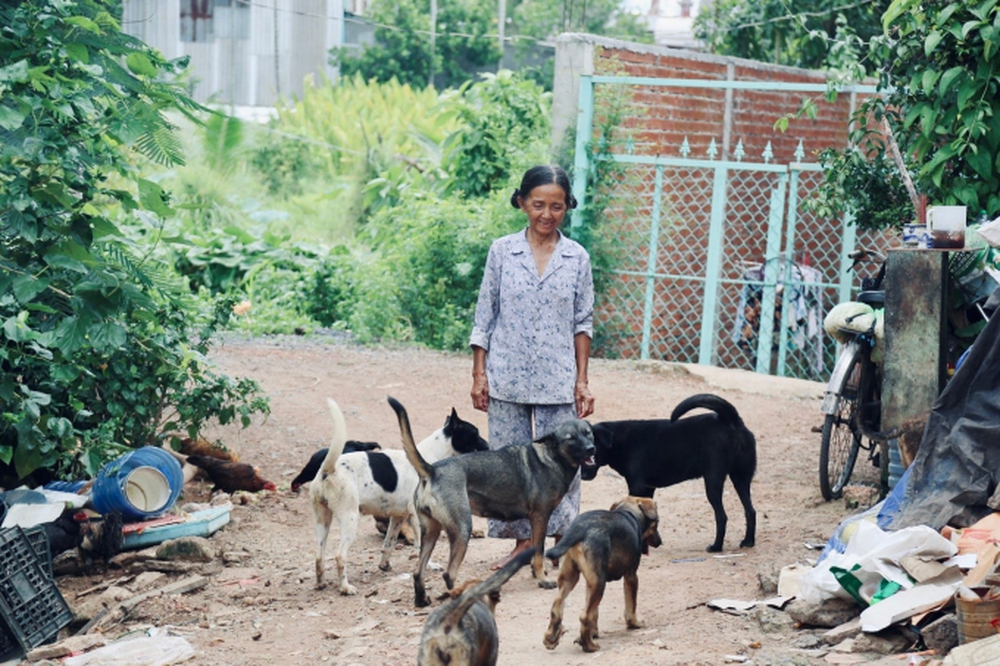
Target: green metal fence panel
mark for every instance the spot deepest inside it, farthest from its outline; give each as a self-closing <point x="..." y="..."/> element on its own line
<point x="723" y="265"/>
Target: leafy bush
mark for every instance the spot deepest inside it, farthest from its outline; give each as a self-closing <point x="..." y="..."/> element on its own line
<point x="332" y="293"/>
<point x="96" y="350"/>
<point x="423" y="280"/>
<point x="504" y="123"/>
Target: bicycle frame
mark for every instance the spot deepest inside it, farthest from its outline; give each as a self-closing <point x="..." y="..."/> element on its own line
<point x="852" y="406"/>
<point x="832" y="397"/>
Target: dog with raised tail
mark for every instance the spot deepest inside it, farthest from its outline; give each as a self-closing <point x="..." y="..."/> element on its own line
<point x="463" y="631"/>
<point x="657" y="453"/>
<point x="377" y="483"/>
<point x="603" y="546"/>
<point x="525" y="480"/>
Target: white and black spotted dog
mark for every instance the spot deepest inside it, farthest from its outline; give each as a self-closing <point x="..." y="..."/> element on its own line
<point x="378" y="483"/>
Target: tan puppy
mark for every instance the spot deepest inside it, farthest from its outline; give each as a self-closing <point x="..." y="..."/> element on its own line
<point x="603" y="546"/>
<point x="463" y="632"/>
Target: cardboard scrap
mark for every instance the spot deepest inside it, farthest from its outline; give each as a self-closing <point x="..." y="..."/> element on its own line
<point x="907" y="603"/>
<point x="739" y="606"/>
<point x="984" y="566"/>
<point x="981" y="534"/>
<point x="922" y="568"/>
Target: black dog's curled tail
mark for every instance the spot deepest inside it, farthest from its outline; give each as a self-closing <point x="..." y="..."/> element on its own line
<point x="726" y="412"/>
<point x="423" y="468"/>
<point x="488" y="586"/>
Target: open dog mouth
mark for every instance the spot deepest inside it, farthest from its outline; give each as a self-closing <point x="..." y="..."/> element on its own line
<point x="589" y="461"/>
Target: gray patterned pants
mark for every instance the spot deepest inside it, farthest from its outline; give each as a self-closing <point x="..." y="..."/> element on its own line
<point x="510" y="423"/>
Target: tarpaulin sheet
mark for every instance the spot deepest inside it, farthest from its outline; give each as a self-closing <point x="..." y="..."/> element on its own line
<point x="957" y="467"/>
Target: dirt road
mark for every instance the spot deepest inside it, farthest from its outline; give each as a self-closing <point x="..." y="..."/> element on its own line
<point x="264" y="609"/>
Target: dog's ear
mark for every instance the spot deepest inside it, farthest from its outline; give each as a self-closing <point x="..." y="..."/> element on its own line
<point x="649" y="510"/>
<point x="603" y="437"/>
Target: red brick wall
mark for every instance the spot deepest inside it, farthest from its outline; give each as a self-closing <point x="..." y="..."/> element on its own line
<point x="671" y="114"/>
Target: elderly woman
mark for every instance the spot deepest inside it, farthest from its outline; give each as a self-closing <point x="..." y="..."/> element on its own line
<point x="531" y="338"/>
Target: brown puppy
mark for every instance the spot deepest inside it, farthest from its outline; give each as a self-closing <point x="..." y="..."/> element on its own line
<point x="463" y="632"/>
<point x="603" y="546"/>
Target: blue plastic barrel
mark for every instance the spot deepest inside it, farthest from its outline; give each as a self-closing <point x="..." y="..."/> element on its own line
<point x="141" y="484"/>
<point x="65" y="486"/>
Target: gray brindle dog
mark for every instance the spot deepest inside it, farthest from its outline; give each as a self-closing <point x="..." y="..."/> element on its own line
<point x="518" y="481"/>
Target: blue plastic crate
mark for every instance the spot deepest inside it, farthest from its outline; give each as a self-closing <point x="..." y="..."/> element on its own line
<point x="31" y="606"/>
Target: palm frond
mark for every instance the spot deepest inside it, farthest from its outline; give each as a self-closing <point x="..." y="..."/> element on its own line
<point x="162" y="146"/>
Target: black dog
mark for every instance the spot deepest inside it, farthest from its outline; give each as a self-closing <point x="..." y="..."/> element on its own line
<point x="656" y="453"/>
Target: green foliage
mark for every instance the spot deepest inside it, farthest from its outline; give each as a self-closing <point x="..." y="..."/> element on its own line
<point x="402" y="49"/>
<point x="374" y="141"/>
<point x="467" y="41"/>
<point x="544" y="19"/>
<point x="864" y="182"/>
<point x="401" y="52"/>
<point x="94" y="347"/>
<point x="936" y="68"/>
<point x="223" y="137"/>
<point x="941" y="71"/>
<point x="283" y="163"/>
<point x="799" y="33"/>
<point x="332" y="293"/>
<point x="422" y="281"/>
<point x="503" y="119"/>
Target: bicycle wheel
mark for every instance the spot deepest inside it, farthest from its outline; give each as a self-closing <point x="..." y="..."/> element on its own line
<point x="841" y="438"/>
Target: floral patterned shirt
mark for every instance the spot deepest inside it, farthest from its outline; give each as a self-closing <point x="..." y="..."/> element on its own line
<point x="527" y="323"/>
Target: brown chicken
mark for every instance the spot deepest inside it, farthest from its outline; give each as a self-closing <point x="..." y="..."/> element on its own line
<point x="203" y="447"/>
<point x="231" y="476"/>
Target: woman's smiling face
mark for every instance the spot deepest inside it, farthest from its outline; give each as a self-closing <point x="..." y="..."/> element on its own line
<point x="545" y="207"/>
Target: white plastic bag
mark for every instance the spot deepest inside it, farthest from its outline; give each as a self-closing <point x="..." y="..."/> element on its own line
<point x="139" y="651"/>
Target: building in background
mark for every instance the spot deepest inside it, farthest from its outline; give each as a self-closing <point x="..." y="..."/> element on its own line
<point x="670" y="20"/>
<point x="244" y="52"/>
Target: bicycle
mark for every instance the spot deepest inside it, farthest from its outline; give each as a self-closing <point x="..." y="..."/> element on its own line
<point x="852" y="402"/>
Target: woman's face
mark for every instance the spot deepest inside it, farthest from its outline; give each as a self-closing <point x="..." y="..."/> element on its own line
<point x="545" y="207"/>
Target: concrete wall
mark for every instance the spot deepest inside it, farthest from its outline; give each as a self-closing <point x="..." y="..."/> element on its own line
<point x="259" y="51"/>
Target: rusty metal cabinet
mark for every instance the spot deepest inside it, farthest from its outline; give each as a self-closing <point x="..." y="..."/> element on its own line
<point x="916" y="364"/>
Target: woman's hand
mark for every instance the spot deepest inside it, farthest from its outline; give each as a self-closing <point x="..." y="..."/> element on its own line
<point x="584" y="400"/>
<point x="480" y="392"/>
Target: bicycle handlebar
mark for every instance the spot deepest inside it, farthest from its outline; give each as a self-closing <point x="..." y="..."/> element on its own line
<point x="863" y="254"/>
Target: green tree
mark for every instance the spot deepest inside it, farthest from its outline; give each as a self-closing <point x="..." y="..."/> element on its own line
<point x="402" y="49"/>
<point x="799" y="33"/>
<point x="543" y="19"/>
<point x="98" y="350"/>
<point x="503" y="118"/>
<point x="940" y="72"/>
<point x="937" y="66"/>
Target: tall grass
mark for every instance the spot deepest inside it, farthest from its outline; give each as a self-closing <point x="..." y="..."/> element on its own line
<point x="352" y="208"/>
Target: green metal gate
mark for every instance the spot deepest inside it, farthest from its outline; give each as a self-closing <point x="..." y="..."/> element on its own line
<point x="726" y="266"/>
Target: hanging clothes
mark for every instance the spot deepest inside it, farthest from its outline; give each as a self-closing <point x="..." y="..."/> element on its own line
<point x="798" y="307"/>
